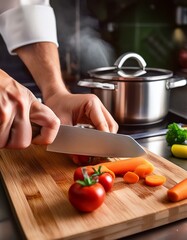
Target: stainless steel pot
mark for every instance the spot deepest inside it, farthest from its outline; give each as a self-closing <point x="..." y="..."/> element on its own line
<point x="133" y="95"/>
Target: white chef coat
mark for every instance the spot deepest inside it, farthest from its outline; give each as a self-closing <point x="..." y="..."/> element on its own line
<point x="24" y="22"/>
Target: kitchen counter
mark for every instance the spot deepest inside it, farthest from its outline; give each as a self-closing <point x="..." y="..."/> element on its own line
<point x="177" y="230"/>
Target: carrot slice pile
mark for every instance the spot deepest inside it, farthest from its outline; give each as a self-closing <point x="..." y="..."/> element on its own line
<point x="130" y="177"/>
<point x="155" y="180"/>
<point x="144" y="169"/>
<point x="178" y="192"/>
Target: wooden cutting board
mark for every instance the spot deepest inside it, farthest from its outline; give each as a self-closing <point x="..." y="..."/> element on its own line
<point x="37" y="183"/>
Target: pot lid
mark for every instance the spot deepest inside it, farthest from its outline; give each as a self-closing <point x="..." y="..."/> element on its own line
<point x="120" y="73"/>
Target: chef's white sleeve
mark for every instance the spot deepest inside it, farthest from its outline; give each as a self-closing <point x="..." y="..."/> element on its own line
<point x="28" y="24"/>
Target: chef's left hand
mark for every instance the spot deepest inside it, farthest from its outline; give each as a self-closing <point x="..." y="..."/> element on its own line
<point x="75" y="109"/>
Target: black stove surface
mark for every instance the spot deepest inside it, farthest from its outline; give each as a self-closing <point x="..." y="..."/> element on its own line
<point x="150" y="130"/>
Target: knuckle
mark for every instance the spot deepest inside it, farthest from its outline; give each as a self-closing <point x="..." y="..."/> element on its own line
<point x="4" y="114"/>
<point x="54" y="123"/>
<point x="18" y="145"/>
<point x="92" y="97"/>
<point x="92" y="100"/>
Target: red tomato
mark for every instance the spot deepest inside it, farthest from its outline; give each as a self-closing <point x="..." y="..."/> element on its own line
<point x="86" y="198"/>
<point x="80" y="159"/>
<point x="106" y="180"/>
<point x="78" y="175"/>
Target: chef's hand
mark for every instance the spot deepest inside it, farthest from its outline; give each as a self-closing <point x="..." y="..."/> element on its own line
<point x="75" y="109"/>
<point x="42" y="60"/>
<point x="18" y="108"/>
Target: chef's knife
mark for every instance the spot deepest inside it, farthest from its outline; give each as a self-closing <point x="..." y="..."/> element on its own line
<point x="92" y="142"/>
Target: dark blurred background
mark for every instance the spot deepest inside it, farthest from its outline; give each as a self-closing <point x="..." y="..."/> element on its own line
<point x="95" y="33"/>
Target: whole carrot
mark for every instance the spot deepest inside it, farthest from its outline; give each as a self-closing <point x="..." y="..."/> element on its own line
<point x="178" y="192"/>
<point x="122" y="166"/>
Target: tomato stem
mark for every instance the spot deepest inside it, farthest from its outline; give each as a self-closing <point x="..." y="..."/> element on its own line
<point x="97" y="172"/>
<point x="88" y="181"/>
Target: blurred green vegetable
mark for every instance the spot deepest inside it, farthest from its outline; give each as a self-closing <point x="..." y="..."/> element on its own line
<point x="175" y="134"/>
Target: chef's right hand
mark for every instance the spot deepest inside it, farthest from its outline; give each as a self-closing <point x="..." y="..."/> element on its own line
<point x="18" y="109"/>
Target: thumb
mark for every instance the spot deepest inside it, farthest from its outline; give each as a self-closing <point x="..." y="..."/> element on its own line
<point x="46" y="120"/>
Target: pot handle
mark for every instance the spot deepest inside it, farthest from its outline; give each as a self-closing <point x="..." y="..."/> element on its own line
<point x="87" y="83"/>
<point x="176" y="82"/>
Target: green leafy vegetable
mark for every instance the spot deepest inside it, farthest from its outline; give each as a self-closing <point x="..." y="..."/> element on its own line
<point x="175" y="134"/>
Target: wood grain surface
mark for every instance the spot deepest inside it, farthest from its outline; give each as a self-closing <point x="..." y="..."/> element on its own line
<point x="37" y="184"/>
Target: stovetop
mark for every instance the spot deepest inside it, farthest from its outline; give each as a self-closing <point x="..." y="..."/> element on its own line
<point x="157" y="129"/>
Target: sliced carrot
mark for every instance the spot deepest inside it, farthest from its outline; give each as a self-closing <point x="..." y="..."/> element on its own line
<point x="130" y="177"/>
<point x="155" y="180"/>
<point x="178" y="192"/>
<point x="143" y="170"/>
<point x="122" y="166"/>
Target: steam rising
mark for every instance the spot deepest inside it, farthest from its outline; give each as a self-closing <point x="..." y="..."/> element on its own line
<point x="93" y="52"/>
<point x="79" y="36"/>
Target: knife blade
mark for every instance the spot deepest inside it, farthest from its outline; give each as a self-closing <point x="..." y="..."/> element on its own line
<point x="92" y="142"/>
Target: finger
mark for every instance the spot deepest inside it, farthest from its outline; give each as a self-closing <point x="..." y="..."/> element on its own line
<point x="47" y="120"/>
<point x="20" y="133"/>
<point x="94" y="112"/>
<point x="112" y="124"/>
<point x="100" y="116"/>
<point x="6" y="120"/>
<point x="14" y="115"/>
